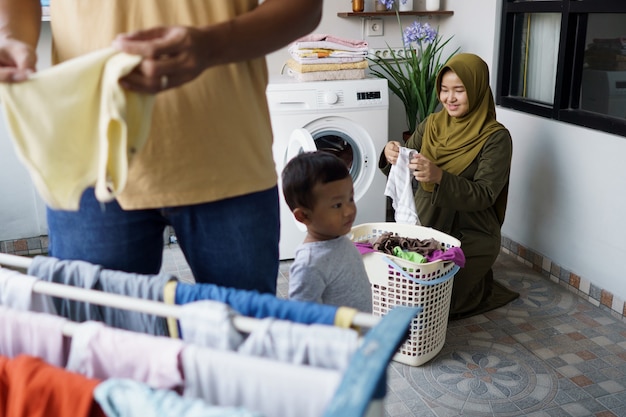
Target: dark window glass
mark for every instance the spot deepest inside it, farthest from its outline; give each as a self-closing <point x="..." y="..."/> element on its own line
<point x="566" y="60"/>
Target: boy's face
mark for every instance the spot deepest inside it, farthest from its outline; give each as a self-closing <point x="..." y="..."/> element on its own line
<point x="334" y="211"/>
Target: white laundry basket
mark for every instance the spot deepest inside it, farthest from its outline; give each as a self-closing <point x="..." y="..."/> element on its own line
<point x="396" y="281"/>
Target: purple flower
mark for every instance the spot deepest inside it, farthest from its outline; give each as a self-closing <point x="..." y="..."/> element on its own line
<point x="419" y="33"/>
<point x="412" y="72"/>
<point x="389" y="3"/>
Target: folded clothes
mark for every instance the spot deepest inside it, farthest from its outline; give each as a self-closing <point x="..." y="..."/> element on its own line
<point x="328" y="60"/>
<point x="348" y="74"/>
<point x="320" y="40"/>
<point x="325" y="53"/>
<point x="315" y="67"/>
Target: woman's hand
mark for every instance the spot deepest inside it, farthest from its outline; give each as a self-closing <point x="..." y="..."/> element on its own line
<point x="17" y="60"/>
<point x="392" y="150"/>
<point x="172" y="56"/>
<point x="424" y="170"/>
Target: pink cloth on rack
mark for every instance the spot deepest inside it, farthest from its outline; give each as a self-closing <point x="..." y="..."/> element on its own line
<point x="35" y="334"/>
<point x="142" y="357"/>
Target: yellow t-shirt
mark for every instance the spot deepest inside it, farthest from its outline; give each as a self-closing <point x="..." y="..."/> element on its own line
<point x="211" y="138"/>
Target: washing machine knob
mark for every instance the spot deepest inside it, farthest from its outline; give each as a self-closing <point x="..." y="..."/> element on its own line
<point x="331" y="97"/>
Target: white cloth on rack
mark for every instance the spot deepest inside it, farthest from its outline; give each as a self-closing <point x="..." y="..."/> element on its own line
<point x="275" y="389"/>
<point x="126" y="398"/>
<point x="16" y="291"/>
<point x="399" y="188"/>
<point x="209" y="323"/>
<point x="34" y="334"/>
<point x="316" y="345"/>
<point x="102" y="352"/>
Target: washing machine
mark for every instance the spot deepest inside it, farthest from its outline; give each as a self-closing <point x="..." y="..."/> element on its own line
<point x="346" y="117"/>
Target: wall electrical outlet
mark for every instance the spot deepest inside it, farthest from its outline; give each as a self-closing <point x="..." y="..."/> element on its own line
<point x="385" y="53"/>
<point x="375" y="27"/>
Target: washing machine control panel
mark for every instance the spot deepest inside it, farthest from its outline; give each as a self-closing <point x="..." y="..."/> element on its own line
<point x="368" y="95"/>
<point x="331" y="97"/>
<point x="288" y="96"/>
<point x="349" y="98"/>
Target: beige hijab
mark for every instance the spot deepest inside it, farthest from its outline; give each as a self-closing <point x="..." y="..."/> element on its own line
<point x="452" y="143"/>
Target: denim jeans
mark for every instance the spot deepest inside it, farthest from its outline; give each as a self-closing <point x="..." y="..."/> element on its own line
<point x="231" y="243"/>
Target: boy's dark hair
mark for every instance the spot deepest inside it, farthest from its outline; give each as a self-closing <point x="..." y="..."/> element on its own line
<point x="306" y="170"/>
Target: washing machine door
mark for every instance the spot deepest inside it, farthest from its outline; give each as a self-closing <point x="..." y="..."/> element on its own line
<point x="343" y="138"/>
<point x="300" y="141"/>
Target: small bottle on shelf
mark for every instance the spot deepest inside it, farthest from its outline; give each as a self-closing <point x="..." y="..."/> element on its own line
<point x="358" y="5"/>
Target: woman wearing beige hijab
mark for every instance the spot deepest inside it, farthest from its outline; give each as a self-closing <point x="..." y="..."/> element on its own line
<point x="463" y="172"/>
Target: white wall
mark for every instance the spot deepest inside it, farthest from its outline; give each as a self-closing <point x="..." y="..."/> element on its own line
<point x="566" y="199"/>
<point x="470" y="36"/>
<point x="22" y="212"/>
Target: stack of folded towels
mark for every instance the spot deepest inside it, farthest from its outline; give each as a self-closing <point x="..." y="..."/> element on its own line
<point x="320" y="57"/>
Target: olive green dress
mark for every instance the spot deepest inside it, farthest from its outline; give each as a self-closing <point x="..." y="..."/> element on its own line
<point x="463" y="206"/>
<point x="474" y="152"/>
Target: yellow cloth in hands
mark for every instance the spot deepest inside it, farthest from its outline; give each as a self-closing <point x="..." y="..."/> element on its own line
<point x="74" y="126"/>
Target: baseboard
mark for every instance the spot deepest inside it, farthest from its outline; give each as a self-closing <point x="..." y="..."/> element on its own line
<point x="568" y="279"/>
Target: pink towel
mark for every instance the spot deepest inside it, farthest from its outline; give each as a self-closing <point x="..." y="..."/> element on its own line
<point x="317" y="37"/>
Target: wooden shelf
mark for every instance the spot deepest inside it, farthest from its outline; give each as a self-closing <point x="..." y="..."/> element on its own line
<point x="393" y="13"/>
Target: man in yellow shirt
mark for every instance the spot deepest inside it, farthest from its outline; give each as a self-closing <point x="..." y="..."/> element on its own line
<point x="207" y="166"/>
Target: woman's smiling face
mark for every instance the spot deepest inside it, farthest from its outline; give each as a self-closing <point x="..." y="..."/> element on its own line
<point x="453" y="95"/>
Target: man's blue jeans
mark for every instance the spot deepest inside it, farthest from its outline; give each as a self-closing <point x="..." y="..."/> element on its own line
<point x="231" y="243"/>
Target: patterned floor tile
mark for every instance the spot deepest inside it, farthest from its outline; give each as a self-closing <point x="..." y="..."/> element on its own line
<point x="550" y="353"/>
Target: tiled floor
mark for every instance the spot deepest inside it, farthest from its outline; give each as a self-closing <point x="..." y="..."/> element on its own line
<point x="549" y="353"/>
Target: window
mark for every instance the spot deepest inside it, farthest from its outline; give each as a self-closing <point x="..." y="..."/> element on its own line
<point x="565" y="60"/>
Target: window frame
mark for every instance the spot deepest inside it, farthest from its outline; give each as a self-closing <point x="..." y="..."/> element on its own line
<point x="573" y="31"/>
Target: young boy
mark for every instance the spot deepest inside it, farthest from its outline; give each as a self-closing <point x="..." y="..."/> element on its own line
<point x="327" y="268"/>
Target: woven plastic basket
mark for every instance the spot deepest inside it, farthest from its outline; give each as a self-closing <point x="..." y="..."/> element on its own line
<point x="396" y="281"/>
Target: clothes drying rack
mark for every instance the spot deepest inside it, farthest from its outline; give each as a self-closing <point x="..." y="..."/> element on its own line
<point x="242" y="323"/>
<point x="364" y="378"/>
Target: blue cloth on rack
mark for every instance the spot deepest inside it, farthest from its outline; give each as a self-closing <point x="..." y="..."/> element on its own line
<point x="86" y="275"/>
<point x="255" y="304"/>
<point x="120" y="397"/>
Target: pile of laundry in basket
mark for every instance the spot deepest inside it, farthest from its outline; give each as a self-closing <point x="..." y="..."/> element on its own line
<point x="321" y="57"/>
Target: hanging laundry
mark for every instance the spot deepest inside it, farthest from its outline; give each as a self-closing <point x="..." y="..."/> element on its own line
<point x="102" y="352"/>
<point x="31" y="387"/>
<point x="255" y="304"/>
<point x="275" y="389"/>
<point x="16" y="291"/>
<point x="210" y="324"/>
<point x="315" y="344"/>
<point x="72" y="138"/>
<point x="86" y="275"/>
<point x="127" y="398"/>
<point x="34" y="334"/>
